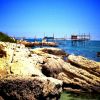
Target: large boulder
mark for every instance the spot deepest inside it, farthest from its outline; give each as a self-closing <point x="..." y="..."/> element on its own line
<point x="50" y="50"/>
<point x="24" y="68"/>
<point x="30" y="88"/>
<point x="21" y="77"/>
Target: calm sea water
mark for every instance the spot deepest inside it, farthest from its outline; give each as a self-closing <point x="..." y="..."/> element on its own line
<point x="87" y="49"/>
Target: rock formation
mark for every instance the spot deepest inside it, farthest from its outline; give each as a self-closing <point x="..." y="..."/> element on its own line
<point x="32" y="44"/>
<point x="32" y="74"/>
<point x="79" y="75"/>
<point x="92" y="66"/>
<point x="21" y="77"/>
<point x="30" y="88"/>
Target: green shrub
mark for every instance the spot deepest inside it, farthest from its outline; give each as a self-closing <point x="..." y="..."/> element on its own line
<point x="5" y="38"/>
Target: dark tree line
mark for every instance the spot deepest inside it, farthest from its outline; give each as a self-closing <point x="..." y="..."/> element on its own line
<point x="5" y="38"/>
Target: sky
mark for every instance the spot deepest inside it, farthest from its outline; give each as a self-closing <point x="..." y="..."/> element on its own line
<point x="31" y="18"/>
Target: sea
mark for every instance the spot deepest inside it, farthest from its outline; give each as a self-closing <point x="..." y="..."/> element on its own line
<point x="87" y="49"/>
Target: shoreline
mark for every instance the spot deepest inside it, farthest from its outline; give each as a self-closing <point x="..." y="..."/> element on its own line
<point x="36" y="43"/>
<point x="78" y="74"/>
<point x="89" y="50"/>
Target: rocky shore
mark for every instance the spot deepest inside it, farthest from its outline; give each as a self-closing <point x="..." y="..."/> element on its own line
<point x="43" y="43"/>
<point x="42" y="73"/>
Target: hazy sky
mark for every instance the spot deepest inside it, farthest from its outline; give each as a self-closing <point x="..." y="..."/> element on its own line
<point x="34" y="17"/>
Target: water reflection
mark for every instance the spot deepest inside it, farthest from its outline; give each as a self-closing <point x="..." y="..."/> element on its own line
<point x="72" y="96"/>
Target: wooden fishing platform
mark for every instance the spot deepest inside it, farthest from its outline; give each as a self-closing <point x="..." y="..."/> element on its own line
<point x="82" y="37"/>
<point x="79" y="39"/>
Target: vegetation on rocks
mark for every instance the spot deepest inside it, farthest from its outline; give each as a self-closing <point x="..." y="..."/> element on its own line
<point x="5" y="38"/>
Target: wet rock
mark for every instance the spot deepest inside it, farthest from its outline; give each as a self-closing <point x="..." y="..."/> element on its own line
<point x="98" y="54"/>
